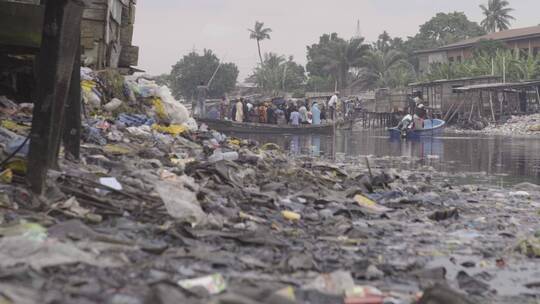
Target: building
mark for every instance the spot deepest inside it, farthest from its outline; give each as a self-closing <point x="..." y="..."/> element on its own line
<point x="441" y="95"/>
<point x="107" y="33"/>
<point x="106" y="40"/>
<point x="525" y="41"/>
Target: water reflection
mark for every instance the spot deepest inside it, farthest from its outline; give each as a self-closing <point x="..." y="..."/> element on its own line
<point x="499" y="160"/>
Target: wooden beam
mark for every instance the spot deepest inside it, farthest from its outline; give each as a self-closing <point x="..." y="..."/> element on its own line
<point x="72" y="122"/>
<point x="60" y="42"/>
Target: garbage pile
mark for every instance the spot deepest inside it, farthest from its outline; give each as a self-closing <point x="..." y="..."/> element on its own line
<point x="523" y="125"/>
<point x="160" y="210"/>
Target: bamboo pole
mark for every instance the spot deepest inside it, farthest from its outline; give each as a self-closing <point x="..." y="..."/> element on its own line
<point x="491" y="105"/>
<point x="472" y="108"/>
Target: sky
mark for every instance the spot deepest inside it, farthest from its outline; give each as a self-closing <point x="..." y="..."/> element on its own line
<point x="166" y="30"/>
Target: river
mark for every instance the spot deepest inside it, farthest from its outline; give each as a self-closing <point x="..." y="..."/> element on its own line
<point x="495" y="160"/>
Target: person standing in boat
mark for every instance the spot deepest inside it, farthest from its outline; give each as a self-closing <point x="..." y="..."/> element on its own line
<point x="280" y="116"/>
<point x="262" y="113"/>
<point x="303" y="114"/>
<point x="315" y="114"/>
<point x="270" y="115"/>
<point x="332" y="105"/>
<point x="245" y="110"/>
<point x="224" y="108"/>
<point x="295" y="117"/>
<point x="239" y="115"/>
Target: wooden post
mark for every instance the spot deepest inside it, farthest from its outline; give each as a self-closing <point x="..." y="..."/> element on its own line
<point x="472" y="108"/>
<point x="72" y="126"/>
<point x="491" y="105"/>
<point x="60" y="42"/>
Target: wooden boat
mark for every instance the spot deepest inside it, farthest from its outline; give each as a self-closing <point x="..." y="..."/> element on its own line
<point x="432" y="127"/>
<point x="228" y="126"/>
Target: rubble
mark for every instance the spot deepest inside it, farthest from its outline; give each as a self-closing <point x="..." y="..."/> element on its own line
<point x="518" y="125"/>
<point x="148" y="215"/>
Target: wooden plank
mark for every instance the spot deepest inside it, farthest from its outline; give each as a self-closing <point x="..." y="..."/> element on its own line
<point x="92" y="29"/>
<point x="21" y="24"/>
<point x="129" y="56"/>
<point x="126" y="35"/>
<point x="55" y="67"/>
<point x="97" y="14"/>
<point x="72" y="125"/>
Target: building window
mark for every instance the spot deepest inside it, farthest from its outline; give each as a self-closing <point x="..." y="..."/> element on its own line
<point x="458" y="59"/>
<point x="451" y="59"/>
<point x="535" y="51"/>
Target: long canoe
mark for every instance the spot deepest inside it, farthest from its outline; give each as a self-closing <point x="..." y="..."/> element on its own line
<point x="259" y="128"/>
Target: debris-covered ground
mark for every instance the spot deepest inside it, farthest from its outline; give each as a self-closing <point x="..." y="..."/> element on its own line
<point x="158" y="210"/>
<point x="522" y="125"/>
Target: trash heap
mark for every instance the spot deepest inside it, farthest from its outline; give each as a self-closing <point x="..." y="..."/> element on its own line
<point x="516" y="125"/>
<point x="160" y="210"/>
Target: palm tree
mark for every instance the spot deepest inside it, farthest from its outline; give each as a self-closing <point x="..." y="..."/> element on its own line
<point x="340" y="56"/>
<point x="259" y="33"/>
<point x="497" y="15"/>
<point x="379" y="67"/>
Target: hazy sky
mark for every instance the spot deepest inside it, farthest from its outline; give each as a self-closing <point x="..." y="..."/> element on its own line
<point x="165" y="30"/>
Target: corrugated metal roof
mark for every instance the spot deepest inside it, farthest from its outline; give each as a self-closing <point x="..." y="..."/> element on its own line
<point x="494" y="86"/>
<point x="487" y="77"/>
<point x="508" y="35"/>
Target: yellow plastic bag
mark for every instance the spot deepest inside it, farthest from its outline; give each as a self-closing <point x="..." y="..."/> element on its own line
<point x="369" y="204"/>
<point x="172" y="129"/>
<point x="15" y="127"/>
<point x="17" y="165"/>
<point x="291" y="216"/>
<point x="159" y="108"/>
<point x="116" y="149"/>
<point x="87" y="85"/>
<point x="6" y="176"/>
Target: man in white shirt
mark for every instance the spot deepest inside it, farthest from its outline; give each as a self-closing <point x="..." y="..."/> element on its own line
<point x="332" y="105"/>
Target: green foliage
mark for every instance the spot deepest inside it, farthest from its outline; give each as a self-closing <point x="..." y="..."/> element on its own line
<point x="503" y="61"/>
<point x="194" y="69"/>
<point x="335" y="57"/>
<point x="278" y="74"/>
<point x="320" y="84"/>
<point x="386" y="69"/>
<point x="444" y="29"/>
<point x="259" y="33"/>
<point x="497" y="15"/>
<point x="488" y="47"/>
<point x="163" y="80"/>
<point x="316" y="61"/>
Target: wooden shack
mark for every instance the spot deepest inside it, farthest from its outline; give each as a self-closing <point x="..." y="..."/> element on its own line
<point x="496" y="101"/>
<point x="440" y="95"/>
<point x="107" y="33"/>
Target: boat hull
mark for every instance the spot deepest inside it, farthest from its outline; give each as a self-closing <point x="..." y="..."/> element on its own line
<point x="437" y="128"/>
<point x="257" y="128"/>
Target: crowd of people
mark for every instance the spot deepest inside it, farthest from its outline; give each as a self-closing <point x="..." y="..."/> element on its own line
<point x="292" y="112"/>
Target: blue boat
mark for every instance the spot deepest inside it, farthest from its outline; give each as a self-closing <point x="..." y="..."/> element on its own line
<point x="432" y="127"/>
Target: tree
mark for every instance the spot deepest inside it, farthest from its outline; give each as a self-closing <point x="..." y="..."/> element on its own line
<point x="488" y="47"/>
<point x="386" y="69"/>
<point x="278" y="74"/>
<point x="497" y="15"/>
<point x="383" y="42"/>
<point x="444" y="29"/>
<point x="194" y="69"/>
<point x="316" y="62"/>
<point x="259" y="33"/>
<point x="163" y="80"/>
<point x="335" y="57"/>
